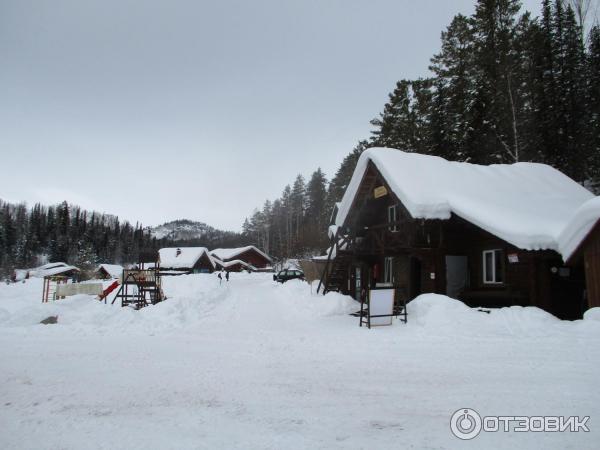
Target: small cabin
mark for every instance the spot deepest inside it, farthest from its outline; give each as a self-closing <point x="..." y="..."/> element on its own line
<point x="109" y="271"/>
<point x="46" y="270"/>
<point x="487" y="235"/>
<point x="245" y="258"/>
<point x="185" y="260"/>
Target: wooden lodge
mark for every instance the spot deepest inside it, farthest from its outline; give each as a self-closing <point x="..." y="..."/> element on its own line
<point x="487" y="235"/>
<point x="244" y="258"/>
<point x="185" y="260"/>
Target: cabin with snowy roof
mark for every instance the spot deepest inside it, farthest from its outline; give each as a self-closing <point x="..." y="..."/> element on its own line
<point x="244" y="258"/>
<point x="489" y="235"/>
<point x="185" y="260"/>
<point x="47" y="270"/>
<point x="109" y="271"/>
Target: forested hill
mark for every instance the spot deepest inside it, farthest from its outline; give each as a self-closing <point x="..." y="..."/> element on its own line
<point x="191" y="233"/>
<point x="30" y="236"/>
<point x="504" y="87"/>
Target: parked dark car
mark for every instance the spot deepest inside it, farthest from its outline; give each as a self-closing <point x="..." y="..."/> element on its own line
<point x="288" y="274"/>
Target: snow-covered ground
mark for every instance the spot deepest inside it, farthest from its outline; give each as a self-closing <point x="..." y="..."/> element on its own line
<point x="253" y="364"/>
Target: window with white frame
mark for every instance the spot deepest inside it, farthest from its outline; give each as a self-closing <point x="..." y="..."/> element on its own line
<point x="393" y="218"/>
<point x="388" y="277"/>
<point x="493" y="266"/>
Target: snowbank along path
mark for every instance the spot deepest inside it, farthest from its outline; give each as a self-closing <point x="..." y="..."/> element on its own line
<point x="254" y="364"/>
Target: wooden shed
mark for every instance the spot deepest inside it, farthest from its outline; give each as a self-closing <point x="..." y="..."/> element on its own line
<point x="109" y="271"/>
<point x="590" y="250"/>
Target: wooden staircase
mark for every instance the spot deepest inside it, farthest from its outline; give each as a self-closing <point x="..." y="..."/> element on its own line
<point x="334" y="274"/>
<point x="343" y="245"/>
<point x="338" y="274"/>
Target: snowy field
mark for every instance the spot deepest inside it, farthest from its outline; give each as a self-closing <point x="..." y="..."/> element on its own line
<point x="256" y="365"/>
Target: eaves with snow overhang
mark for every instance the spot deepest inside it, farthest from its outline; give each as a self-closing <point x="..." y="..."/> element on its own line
<point x="529" y="205"/>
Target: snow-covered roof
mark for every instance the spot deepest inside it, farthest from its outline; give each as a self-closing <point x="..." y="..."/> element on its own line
<point x="182" y="257"/>
<point x="334" y="211"/>
<point x="577" y="229"/>
<point x="233" y="262"/>
<point x="228" y="253"/>
<point x="52" y="269"/>
<point x="526" y="204"/>
<point x="333" y="251"/>
<point x="114" y="270"/>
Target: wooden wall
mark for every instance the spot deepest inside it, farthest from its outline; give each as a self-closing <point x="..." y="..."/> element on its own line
<point x="254" y="258"/>
<point x="591" y="255"/>
<point x="203" y="264"/>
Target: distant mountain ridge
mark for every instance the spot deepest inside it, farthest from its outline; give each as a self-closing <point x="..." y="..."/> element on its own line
<point x="189" y="232"/>
<point x="183" y="230"/>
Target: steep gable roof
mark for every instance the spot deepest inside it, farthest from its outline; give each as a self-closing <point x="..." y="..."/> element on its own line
<point x="526" y="204"/>
<point x="114" y="270"/>
<point x="578" y="228"/>
<point x="233" y="262"/>
<point x="229" y="253"/>
<point x="182" y="257"/>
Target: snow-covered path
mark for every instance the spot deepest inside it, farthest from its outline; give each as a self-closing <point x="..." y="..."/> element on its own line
<point x="253" y="364"/>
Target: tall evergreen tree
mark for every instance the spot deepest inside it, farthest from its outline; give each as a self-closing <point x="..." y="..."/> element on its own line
<point x="342" y="177"/>
<point x="592" y="112"/>
<point x="453" y="94"/>
<point x="316" y="212"/>
<point x="494" y="132"/>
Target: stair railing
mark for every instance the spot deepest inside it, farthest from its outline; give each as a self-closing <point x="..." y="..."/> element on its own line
<point x="325" y="274"/>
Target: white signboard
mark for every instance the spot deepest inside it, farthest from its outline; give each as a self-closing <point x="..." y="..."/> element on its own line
<point x="381" y="303"/>
<point x="66" y="290"/>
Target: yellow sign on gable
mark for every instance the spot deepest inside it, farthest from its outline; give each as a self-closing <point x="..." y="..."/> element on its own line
<point x="380" y="191"/>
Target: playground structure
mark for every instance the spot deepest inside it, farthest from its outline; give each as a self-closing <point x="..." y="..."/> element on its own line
<point x="139" y="288"/>
<point x="114" y="285"/>
<point x="51" y="283"/>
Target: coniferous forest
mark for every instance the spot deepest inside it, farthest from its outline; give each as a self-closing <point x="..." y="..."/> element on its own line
<point x="69" y="234"/>
<point x="504" y="87"/>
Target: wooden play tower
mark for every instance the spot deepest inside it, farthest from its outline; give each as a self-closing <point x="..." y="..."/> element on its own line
<point x="140" y="288"/>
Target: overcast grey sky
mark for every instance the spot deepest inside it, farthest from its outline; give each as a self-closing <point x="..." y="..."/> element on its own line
<point x="189" y="109"/>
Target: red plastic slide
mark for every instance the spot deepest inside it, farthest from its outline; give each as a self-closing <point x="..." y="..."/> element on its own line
<point x="109" y="289"/>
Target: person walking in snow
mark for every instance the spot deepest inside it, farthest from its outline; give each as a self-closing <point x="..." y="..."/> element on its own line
<point x="220" y="278"/>
<point x="227" y="276"/>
